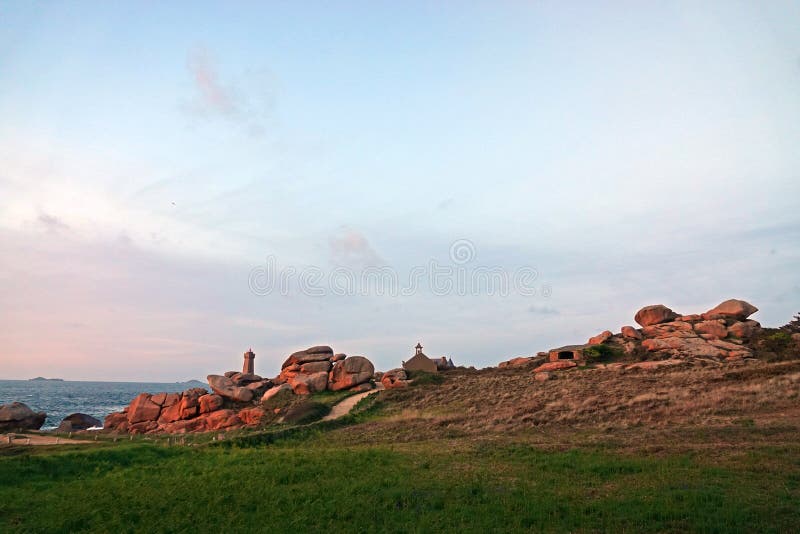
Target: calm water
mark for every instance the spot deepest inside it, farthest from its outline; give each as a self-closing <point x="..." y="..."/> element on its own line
<point x="98" y="399"/>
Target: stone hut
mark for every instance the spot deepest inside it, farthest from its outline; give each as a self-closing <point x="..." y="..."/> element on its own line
<point x="420" y="362"/>
<point x="569" y="352"/>
<point x="444" y="363"/>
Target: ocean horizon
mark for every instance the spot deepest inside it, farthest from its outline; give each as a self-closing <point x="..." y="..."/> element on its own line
<point x="60" y="398"/>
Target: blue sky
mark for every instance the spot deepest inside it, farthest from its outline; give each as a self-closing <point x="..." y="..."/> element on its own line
<point x="151" y="156"/>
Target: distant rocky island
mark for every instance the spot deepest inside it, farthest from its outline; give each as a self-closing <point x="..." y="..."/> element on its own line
<point x="43" y="379"/>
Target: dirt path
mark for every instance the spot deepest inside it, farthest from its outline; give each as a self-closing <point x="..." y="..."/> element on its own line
<point x="344" y="407"/>
<point x="39" y="439"/>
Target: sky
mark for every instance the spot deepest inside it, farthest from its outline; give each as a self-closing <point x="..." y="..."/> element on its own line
<point x="182" y="181"/>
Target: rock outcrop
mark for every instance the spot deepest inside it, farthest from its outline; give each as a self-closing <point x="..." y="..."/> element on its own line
<point x="193" y="410"/>
<point x="18" y="416"/>
<point x="395" y="378"/>
<point x="718" y="334"/>
<point x="318" y="368"/>
<point x="243" y="399"/>
<point x="78" y="421"/>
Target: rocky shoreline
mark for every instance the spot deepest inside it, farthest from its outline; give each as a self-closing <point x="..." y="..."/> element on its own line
<point x="242" y="400"/>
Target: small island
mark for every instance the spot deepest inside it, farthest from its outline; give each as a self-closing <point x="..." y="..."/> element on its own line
<point x="43" y="379"/>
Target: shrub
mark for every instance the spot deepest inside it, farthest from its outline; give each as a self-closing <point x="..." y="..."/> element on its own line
<point x="793" y="326"/>
<point x="777" y="341"/>
<point x="774" y="345"/>
<point x="601" y="353"/>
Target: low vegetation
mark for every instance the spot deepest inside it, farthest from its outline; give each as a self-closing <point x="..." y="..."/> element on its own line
<point x="421" y="378"/>
<point x="476" y="486"/>
<point x="703" y="446"/>
<point x="602" y="354"/>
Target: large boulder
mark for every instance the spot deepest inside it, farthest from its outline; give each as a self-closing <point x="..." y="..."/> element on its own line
<point x="210" y="403"/>
<point x="78" y="421"/>
<point x="316" y="367"/>
<point x="251" y="416"/>
<point x="116" y="421"/>
<point x="738" y="310"/>
<point x="242" y="379"/>
<point x="629" y="332"/>
<point x="712" y="329"/>
<point x="166" y="400"/>
<point x="258" y="388"/>
<point x="169" y="414"/>
<point x="18" y="416"/>
<point x="657" y="313"/>
<point x="303" y="384"/>
<point x="142" y="409"/>
<point x="394" y="378"/>
<point x="670" y="329"/>
<point x="744" y="329"/>
<point x="311" y="354"/>
<point x="221" y="419"/>
<point x="350" y="372"/>
<point x="600" y="338"/>
<point x="224" y="387"/>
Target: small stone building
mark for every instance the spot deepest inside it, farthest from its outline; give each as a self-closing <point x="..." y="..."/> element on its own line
<point x="444" y="363"/>
<point x="420" y="362"/>
<point x="569" y="352"/>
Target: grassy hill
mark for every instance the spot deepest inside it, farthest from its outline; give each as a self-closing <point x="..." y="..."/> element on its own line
<point x="703" y="447"/>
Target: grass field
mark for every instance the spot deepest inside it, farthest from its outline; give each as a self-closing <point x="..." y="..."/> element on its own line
<point x="319" y="483"/>
<point x="707" y="449"/>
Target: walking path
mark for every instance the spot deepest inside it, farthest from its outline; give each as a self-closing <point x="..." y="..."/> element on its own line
<point x="344" y="407"/>
<point x="39" y="439"/>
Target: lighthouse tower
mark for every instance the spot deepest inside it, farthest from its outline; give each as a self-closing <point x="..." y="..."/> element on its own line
<point x="249" y="367"/>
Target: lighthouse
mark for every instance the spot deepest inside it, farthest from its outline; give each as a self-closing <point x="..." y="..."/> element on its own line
<point x="249" y="367"/>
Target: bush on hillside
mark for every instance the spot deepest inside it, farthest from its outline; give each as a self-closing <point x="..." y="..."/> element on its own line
<point x="793" y="326"/>
<point x="601" y="353"/>
<point x="772" y="344"/>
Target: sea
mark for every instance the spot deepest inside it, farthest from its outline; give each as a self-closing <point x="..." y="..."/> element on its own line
<point x="59" y="399"/>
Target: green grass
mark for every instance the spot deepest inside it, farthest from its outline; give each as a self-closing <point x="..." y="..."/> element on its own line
<point x="310" y="483"/>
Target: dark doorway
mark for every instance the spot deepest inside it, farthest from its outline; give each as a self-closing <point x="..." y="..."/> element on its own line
<point x="566" y="355"/>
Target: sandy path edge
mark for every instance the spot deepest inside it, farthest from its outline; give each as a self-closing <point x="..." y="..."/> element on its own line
<point x="343" y="408"/>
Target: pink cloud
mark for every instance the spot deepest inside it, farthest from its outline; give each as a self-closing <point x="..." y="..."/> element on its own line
<point x="214" y="96"/>
<point x="351" y="247"/>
